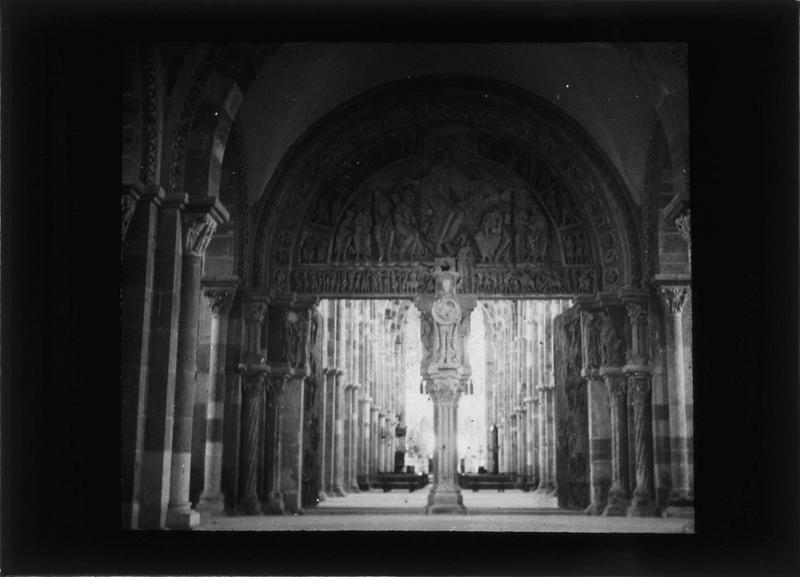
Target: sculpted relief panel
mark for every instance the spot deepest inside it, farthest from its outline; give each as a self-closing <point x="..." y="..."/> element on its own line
<point x="517" y="213"/>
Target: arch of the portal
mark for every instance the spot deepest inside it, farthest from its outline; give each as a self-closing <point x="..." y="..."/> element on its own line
<point x="462" y="167"/>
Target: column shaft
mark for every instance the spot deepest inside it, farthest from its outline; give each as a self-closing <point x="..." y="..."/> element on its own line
<point x="619" y="494"/>
<point x="291" y="441"/>
<point x="639" y="392"/>
<point x="339" y="437"/>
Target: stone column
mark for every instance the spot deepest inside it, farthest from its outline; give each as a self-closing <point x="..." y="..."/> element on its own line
<point x="273" y="501"/>
<point x="445" y="495"/>
<point x="291" y="440"/>
<point x="379" y="442"/>
<point x="139" y="221"/>
<point x="530" y="456"/>
<point x="200" y="220"/>
<point x="374" y="419"/>
<point x="548" y="477"/>
<point x="363" y="468"/>
<point x="220" y="294"/>
<point x="339" y="436"/>
<point x="681" y="501"/>
<point x="253" y="377"/>
<point x="619" y="493"/>
<point x="330" y="431"/>
<point x="163" y="345"/>
<point x="522" y="442"/>
<point x="352" y="481"/>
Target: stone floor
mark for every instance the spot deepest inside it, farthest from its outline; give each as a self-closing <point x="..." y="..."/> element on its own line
<point x="486" y="511"/>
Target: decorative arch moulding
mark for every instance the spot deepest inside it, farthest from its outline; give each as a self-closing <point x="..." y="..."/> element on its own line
<point x="485" y="173"/>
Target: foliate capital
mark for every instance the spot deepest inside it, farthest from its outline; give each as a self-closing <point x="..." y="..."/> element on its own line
<point x="220" y="299"/>
<point x="674" y="297"/>
<point x="252" y="383"/>
<point x="255" y="311"/>
<point x="275" y="385"/>
<point x="198" y="228"/>
<point x="444" y="389"/>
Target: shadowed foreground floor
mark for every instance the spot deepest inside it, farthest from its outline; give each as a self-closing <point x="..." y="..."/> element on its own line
<point x="486" y="511"/>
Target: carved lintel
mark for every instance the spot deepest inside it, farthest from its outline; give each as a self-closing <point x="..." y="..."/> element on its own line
<point x="674" y="297"/>
<point x="198" y="229"/>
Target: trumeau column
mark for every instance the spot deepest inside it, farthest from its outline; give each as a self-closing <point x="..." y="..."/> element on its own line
<point x="137" y="284"/>
<point x="443" y="370"/>
<point x="681" y="501"/>
<point x="220" y="294"/>
<point x="638" y="374"/>
<point x="612" y="359"/>
<point x="200" y="220"/>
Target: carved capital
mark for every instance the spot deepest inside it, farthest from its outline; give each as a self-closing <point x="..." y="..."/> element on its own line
<point x="444" y="389"/>
<point x="617" y="387"/>
<point x="639" y="388"/>
<point x="129" y="198"/>
<point x="197" y="232"/>
<point x="683" y="224"/>
<point x="275" y="385"/>
<point x="252" y="383"/>
<point x="220" y="299"/>
<point x="255" y="311"/>
<point x="674" y="297"/>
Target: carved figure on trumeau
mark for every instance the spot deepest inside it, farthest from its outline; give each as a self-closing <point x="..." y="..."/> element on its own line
<point x="446" y="313"/>
<point x="611" y="344"/>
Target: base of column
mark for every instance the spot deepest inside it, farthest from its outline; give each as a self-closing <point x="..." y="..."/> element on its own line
<point x="677" y="512"/>
<point x="354" y="488"/>
<point x="643" y="507"/>
<point x="617" y="506"/>
<point x="292" y="503"/>
<point x="545" y="488"/>
<point x="212" y="504"/>
<point x="321" y="496"/>
<point x="595" y="509"/>
<point x="249" y="506"/>
<point x="338" y="492"/>
<point x="273" y="505"/>
<point x="447" y="500"/>
<point x="182" y="517"/>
